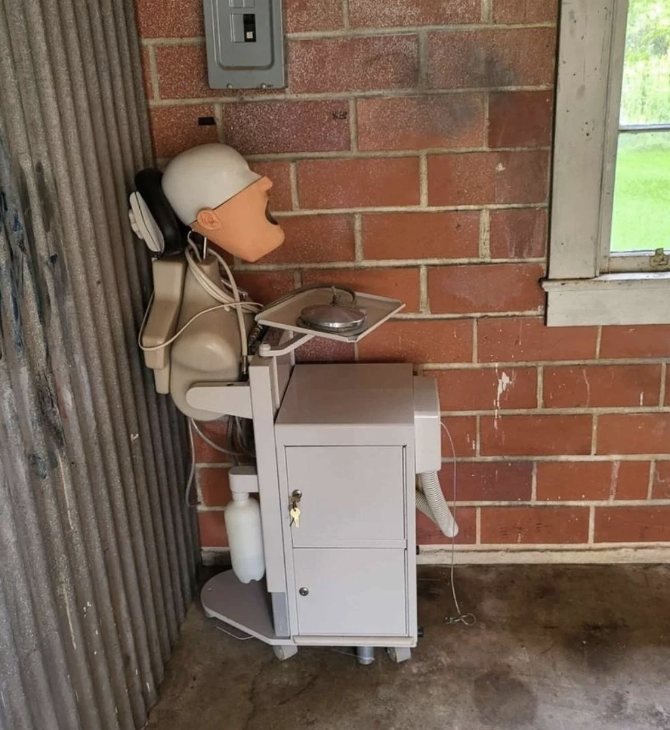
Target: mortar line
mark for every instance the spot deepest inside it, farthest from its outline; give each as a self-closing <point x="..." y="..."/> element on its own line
<point x="353" y="125"/>
<point x="218" y="117"/>
<point x="487" y="11"/>
<point x="422" y="51"/>
<point x="664" y="373"/>
<point x="153" y="74"/>
<point x="251" y="95"/>
<point x="533" y="483"/>
<point x="652" y="479"/>
<point x="478" y="525"/>
<point x="594" y="433"/>
<point x="423" y="290"/>
<point x="556" y="458"/>
<point x="485" y="235"/>
<point x="358" y="237"/>
<point x="293" y="182"/>
<point x="423" y="180"/>
<point x="345" y="14"/>
<point x="540" y="386"/>
<point x="386" y="264"/>
<point x="405" y="30"/>
<point x="592" y="524"/>
<point x="599" y="338"/>
<point x="416" y="208"/>
<point x="503" y="412"/>
<point x="475" y="342"/>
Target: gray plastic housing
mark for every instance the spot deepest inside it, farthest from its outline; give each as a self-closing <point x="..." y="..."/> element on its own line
<point x="245" y="44"/>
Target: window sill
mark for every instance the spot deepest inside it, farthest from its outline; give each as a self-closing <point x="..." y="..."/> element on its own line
<point x="641" y="298"/>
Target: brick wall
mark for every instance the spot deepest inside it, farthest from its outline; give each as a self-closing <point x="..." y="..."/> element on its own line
<point x="410" y="155"/>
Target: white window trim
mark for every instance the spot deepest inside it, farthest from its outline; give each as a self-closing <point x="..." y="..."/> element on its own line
<point x="588" y="98"/>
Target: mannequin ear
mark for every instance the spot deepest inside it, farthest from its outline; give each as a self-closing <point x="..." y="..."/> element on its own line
<point x="208" y="220"/>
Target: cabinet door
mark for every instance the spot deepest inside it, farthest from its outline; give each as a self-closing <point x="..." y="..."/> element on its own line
<point x="350" y="592"/>
<point x="351" y="495"/>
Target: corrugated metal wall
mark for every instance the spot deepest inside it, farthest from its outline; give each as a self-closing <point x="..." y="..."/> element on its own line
<point x="96" y="549"/>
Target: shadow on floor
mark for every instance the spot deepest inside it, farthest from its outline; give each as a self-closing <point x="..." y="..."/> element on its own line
<point x="554" y="648"/>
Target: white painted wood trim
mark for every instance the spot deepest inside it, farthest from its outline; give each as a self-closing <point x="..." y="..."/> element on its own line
<point x="641" y="553"/>
<point x="642" y="298"/>
<point x="581" y="111"/>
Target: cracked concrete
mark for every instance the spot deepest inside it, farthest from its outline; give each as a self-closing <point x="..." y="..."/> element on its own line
<point x="554" y="648"/>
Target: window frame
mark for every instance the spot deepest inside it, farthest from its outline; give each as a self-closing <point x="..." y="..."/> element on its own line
<point x="586" y="284"/>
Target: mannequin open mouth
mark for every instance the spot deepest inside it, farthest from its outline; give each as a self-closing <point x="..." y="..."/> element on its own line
<point x="269" y="215"/>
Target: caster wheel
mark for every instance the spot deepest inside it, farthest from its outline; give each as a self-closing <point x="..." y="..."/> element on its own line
<point x="284" y="652"/>
<point x="399" y="654"/>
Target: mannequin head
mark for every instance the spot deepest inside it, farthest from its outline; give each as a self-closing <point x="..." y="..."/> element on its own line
<point x="212" y="190"/>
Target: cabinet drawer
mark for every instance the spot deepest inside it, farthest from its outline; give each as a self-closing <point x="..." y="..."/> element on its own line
<point x="351" y="495"/>
<point x="351" y="592"/>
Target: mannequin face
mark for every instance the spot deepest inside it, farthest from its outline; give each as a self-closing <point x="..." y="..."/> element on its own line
<point x="243" y="225"/>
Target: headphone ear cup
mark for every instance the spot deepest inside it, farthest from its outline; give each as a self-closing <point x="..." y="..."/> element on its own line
<point x="144" y="225"/>
<point x="170" y="228"/>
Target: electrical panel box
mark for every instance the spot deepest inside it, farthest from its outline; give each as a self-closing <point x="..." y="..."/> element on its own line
<point x="245" y="44"/>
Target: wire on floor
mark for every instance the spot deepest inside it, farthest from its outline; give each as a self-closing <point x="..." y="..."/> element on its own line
<point x="468" y="619"/>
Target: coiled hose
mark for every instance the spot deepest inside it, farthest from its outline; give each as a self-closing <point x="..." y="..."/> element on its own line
<point x="432" y="503"/>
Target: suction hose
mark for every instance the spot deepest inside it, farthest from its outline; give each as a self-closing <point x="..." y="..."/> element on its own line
<point x="433" y="504"/>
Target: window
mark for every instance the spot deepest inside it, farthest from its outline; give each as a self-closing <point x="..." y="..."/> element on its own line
<point x="610" y="233"/>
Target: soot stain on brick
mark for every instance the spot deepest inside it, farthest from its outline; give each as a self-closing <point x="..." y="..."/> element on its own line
<point x="625" y="712"/>
<point x="504" y="701"/>
<point x="406" y="65"/>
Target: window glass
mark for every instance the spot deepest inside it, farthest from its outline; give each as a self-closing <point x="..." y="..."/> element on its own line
<point x="641" y="220"/>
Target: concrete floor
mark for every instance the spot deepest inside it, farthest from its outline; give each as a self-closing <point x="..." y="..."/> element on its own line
<point x="554" y="648"/>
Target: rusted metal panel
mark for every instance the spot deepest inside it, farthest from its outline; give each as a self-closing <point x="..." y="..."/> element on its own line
<point x="97" y="550"/>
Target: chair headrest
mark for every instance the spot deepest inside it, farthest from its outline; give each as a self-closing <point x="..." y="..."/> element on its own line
<point x="152" y="217"/>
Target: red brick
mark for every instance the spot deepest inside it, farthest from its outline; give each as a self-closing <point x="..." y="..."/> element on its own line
<point x="486" y="389"/>
<point x="463" y="431"/>
<point x="384" y="14"/>
<point x="215" y="486"/>
<point x="182" y="72"/>
<point x="212" y="529"/>
<point x="286" y="126"/>
<point x="518" y="233"/>
<point x="661" y="488"/>
<point x="421" y="122"/>
<point x="315" y="239"/>
<point x="499" y="481"/>
<point x="525" y="11"/>
<point x="640" y="341"/>
<point x="217" y="432"/>
<point x="632" y="524"/>
<point x="602" y="386"/>
<point x="265" y="286"/>
<point x="279" y="173"/>
<point x="358" y="183"/>
<point x="175" y="129"/>
<point x="535" y="525"/>
<point x="321" y="350"/>
<point x="536" y="435"/>
<point x="597" y="480"/>
<point x="169" y="18"/>
<point x="353" y="64"/>
<point x="485" y="288"/>
<point x="632" y="433"/>
<point x="491" y="58"/>
<point x="428" y="533"/>
<point x="523" y="339"/>
<point x="631" y="479"/>
<point x="402" y="284"/>
<point x="419" y="341"/>
<point x="305" y="15"/>
<point x="450" y="235"/>
<point x="520" y="119"/>
<point x="480" y="178"/>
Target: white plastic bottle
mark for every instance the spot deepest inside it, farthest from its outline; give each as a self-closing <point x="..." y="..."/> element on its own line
<point x="243" y="525"/>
